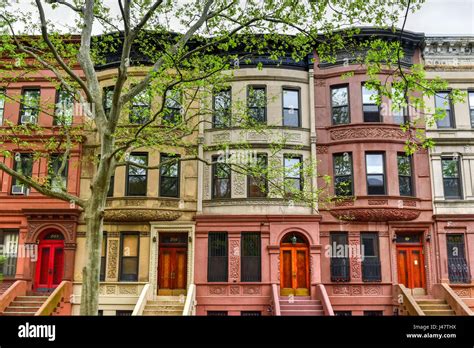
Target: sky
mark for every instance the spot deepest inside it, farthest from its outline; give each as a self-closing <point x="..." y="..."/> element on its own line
<point x="436" y="17"/>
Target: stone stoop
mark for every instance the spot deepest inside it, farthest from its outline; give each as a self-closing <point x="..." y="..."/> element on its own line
<point x="25" y="305"/>
<point x="433" y="306"/>
<point x="300" y="305"/>
<point x="164" y="306"/>
<point x="4" y="285"/>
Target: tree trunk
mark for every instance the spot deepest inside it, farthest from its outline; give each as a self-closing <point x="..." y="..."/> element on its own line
<point x="91" y="271"/>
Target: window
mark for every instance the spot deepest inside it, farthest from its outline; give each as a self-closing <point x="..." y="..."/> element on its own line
<point x="169" y="176"/>
<point x="373" y="313"/>
<point x="64" y="110"/>
<point x="451" y="178"/>
<point x="457" y="265"/>
<point x="375" y="167"/>
<point x="140" y="108"/>
<point x="399" y="109"/>
<point x="123" y="313"/>
<point x="110" y="191"/>
<point x="172" y="114"/>
<point x="471" y="107"/>
<point x="343" y="181"/>
<point x="30" y="100"/>
<point x="339" y="257"/>
<point x="371" y="262"/>
<point x="217" y="313"/>
<point x="405" y="182"/>
<point x="340" y="105"/>
<point x="9" y="246"/>
<point x="2" y="105"/>
<point x="221" y="176"/>
<point x="136" y="176"/>
<point x="293" y="180"/>
<point x="257" y="179"/>
<point x="58" y="181"/>
<point x="250" y="313"/>
<point x="250" y="257"/>
<point x="343" y="313"/>
<point x="291" y="108"/>
<point x="23" y="164"/>
<point x="443" y="102"/>
<point x="130" y="245"/>
<point x="257" y="103"/>
<point x="107" y="94"/>
<point x="217" y="257"/>
<point x="103" y="256"/>
<point x="370" y="107"/>
<point x="222" y="108"/>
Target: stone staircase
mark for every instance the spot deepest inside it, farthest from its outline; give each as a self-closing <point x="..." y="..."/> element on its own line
<point x="26" y="305"/>
<point x="432" y="306"/>
<point x="300" y="305"/>
<point x="165" y="306"/>
<point x="4" y="285"/>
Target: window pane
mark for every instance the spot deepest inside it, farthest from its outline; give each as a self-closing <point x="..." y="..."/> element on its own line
<point x="340" y="96"/>
<point x="339" y="259"/>
<point x="343" y="164"/>
<point x="130" y="245"/>
<point x="257" y="103"/>
<point x="129" y="269"/>
<point x="450" y="168"/>
<point x="217" y="257"/>
<point x="343" y="174"/>
<point x="291" y="108"/>
<point x="222" y="108"/>
<point x="140" y="109"/>
<point x="292" y="167"/>
<point x="458" y="268"/>
<point x="108" y="93"/>
<point x="251" y="259"/>
<point x="369" y="96"/>
<point x="291" y="118"/>
<point x="374" y="163"/>
<point x="257" y="177"/>
<point x="173" y="106"/>
<point x="64" y="108"/>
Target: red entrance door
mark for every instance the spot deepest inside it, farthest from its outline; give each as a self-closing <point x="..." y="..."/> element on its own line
<point x="411" y="268"/>
<point x="50" y="264"/>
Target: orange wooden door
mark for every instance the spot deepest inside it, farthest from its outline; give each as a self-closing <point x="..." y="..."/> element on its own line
<point x="172" y="270"/>
<point x="411" y="266"/>
<point x="294" y="271"/>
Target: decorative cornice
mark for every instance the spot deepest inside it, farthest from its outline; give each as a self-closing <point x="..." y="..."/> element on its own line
<point x="375" y="214"/>
<point x="449" y="52"/>
<point x="138" y="215"/>
<point x="368" y="132"/>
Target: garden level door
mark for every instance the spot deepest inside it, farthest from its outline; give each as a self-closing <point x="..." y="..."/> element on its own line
<point x="294" y="272"/>
<point x="172" y="266"/>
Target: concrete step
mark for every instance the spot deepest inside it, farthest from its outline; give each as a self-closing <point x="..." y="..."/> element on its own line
<point x="26" y="303"/>
<point x="440" y="312"/>
<point x="17" y="314"/>
<point x="430" y="301"/>
<point x="164" y="308"/>
<point x="296" y="297"/>
<point x="162" y="313"/>
<point x="298" y="307"/>
<point x="31" y="298"/>
<point x="305" y="312"/>
<point x="11" y="309"/>
<point x="434" y="307"/>
<point x="166" y="303"/>
<point x="307" y="302"/>
<point x="169" y="298"/>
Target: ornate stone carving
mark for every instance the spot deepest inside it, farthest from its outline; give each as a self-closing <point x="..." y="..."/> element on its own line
<point x="463" y="292"/>
<point x="217" y="290"/>
<point x="138" y="215"/>
<point x="378" y="201"/>
<point x="206" y="182"/>
<point x="110" y="289"/>
<point x="344" y="203"/>
<point x="135" y="202"/>
<point x="322" y="149"/>
<point x="235" y="290"/>
<point x="128" y="290"/>
<point x="294" y="137"/>
<point x="239" y="186"/>
<point x="341" y="290"/>
<point x="355" y="261"/>
<point x="169" y="204"/>
<point x="356" y="290"/>
<point x="112" y="257"/>
<point x="252" y="290"/>
<point x="373" y="290"/>
<point x="409" y="203"/>
<point x="221" y="137"/>
<point x="234" y="259"/>
<point x="256" y="136"/>
<point x="367" y="133"/>
<point x="374" y="214"/>
<point x="320" y="82"/>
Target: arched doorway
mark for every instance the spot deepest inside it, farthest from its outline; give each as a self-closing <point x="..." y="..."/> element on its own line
<point x="50" y="263"/>
<point x="294" y="265"/>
